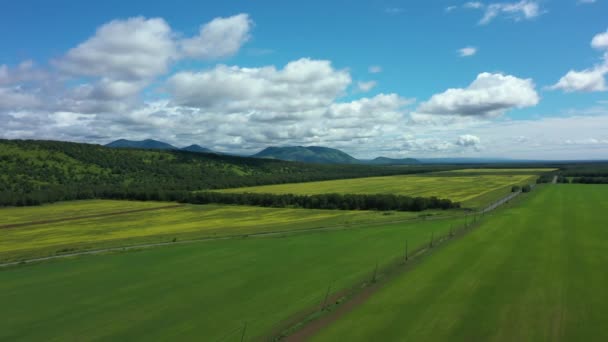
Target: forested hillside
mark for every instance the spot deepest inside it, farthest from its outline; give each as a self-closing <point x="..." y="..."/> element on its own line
<point x="34" y="171"/>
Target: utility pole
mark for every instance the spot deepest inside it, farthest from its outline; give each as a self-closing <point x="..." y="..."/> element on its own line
<point x="244" y="330"/>
<point x="375" y="273"/>
<point x="326" y="296"/>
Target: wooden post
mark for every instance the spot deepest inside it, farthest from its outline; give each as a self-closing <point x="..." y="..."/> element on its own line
<point x="244" y="330"/>
<point x="326" y="296"/>
<point x="375" y="273"/>
<point x="406" y="250"/>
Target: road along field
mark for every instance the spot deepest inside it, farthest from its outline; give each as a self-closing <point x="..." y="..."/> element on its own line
<point x="199" y="291"/>
<point x="473" y="191"/>
<point x="533" y="272"/>
<point x="165" y="222"/>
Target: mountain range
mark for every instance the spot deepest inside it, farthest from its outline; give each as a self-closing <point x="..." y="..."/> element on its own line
<point x="155" y="145"/>
<point x="306" y="154"/>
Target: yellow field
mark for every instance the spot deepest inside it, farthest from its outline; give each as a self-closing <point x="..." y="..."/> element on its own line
<point x="464" y="189"/>
<point x="73" y="208"/>
<point x="502" y="171"/>
<point x="162" y="225"/>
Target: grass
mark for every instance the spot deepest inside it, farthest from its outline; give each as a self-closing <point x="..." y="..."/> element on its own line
<point x="162" y="225"/>
<point x="200" y="291"/>
<point x="529" y="171"/>
<point x="473" y="191"/>
<point x="71" y="209"/>
<point x="534" y="272"/>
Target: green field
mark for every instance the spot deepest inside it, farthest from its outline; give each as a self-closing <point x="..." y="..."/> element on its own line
<point x="531" y="171"/>
<point x="199" y="291"/>
<point x="473" y="191"/>
<point x="162" y="225"/>
<point x="64" y="210"/>
<point x="535" y="272"/>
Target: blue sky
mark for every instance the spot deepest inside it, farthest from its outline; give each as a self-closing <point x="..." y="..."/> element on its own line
<point x="63" y="76"/>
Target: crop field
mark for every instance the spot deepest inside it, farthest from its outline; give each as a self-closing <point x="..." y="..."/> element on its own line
<point x="187" y="292"/>
<point x="160" y="225"/>
<point x="473" y="191"/>
<point x="531" y="171"/>
<point x="62" y="210"/>
<point x="533" y="272"/>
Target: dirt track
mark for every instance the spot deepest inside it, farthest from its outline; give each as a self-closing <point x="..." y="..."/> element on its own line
<point x="311" y="329"/>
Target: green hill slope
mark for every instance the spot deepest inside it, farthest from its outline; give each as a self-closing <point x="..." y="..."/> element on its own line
<point x="310" y="154"/>
<point x="144" y="144"/>
<point x="42" y="171"/>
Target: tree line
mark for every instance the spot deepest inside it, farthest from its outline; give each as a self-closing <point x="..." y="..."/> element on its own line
<point x="53" y="168"/>
<point x="380" y="202"/>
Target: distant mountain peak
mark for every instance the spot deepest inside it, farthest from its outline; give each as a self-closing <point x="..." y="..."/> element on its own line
<point x="307" y="154"/>
<point x="196" y="148"/>
<point x="143" y="144"/>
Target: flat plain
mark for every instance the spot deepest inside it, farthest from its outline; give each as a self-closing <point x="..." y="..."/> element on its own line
<point x="474" y="191"/>
<point x="528" y="273"/>
<point x="163" y="224"/>
<point x="185" y="292"/>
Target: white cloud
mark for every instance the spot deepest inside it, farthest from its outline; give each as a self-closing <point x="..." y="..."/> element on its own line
<point x="467" y="51"/>
<point x="301" y="85"/>
<point x="141" y="49"/>
<point x="468" y="140"/>
<point x="375" y="69"/>
<point x="15" y="98"/>
<point x="587" y="141"/>
<point x="366" y="86"/>
<point x="591" y="79"/>
<point x="588" y="80"/>
<point x="488" y="95"/>
<point x="132" y="49"/>
<point x="473" y="5"/>
<point x="222" y="37"/>
<point x="586" y="1"/>
<point x="449" y="9"/>
<point x="524" y="9"/>
<point x="600" y="41"/>
<point x="24" y="72"/>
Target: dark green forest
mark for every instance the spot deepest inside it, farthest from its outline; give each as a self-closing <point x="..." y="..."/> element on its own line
<point x="34" y="172"/>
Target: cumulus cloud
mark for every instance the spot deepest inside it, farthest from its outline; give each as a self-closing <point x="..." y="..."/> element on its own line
<point x="366" y="86"/>
<point x="222" y="37"/>
<point x="600" y="41"/>
<point x="488" y="95"/>
<point x="16" y="98"/>
<point x="521" y="10"/>
<point x="591" y="79"/>
<point x="467" y="51"/>
<point x="301" y="85"/>
<point x="136" y="48"/>
<point x="588" y="80"/>
<point x="468" y="140"/>
<point x="24" y="72"/>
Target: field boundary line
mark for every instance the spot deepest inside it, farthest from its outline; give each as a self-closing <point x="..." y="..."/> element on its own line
<point x="311" y="322"/>
<point x="74" y="218"/>
<point x="218" y="238"/>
